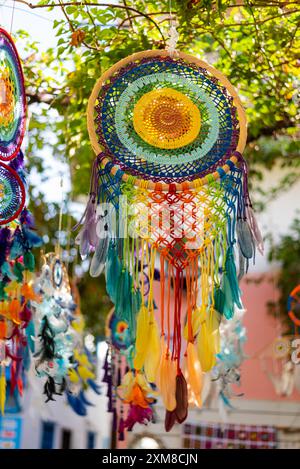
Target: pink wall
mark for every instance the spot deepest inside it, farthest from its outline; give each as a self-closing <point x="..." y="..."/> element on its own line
<point x="261" y="330"/>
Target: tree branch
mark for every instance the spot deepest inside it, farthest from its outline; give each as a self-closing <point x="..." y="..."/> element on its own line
<point x="107" y="5"/>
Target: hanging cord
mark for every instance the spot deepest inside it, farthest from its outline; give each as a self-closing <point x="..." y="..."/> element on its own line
<point x="12" y="17"/>
<point x="69" y="222"/>
<point x="58" y="248"/>
<point x="171" y="42"/>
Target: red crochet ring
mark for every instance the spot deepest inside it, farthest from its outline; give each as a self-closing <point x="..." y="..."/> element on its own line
<point x="21" y="190"/>
<point x="10" y="147"/>
<point x="294" y="298"/>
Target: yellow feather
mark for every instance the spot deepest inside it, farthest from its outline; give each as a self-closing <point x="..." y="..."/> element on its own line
<point x="153" y="352"/>
<point x="73" y="376"/>
<point x="193" y="373"/>
<point x="198" y="316"/>
<point x="206" y="348"/>
<point x="166" y="378"/>
<point x="2" y="392"/>
<point x="85" y="373"/>
<point x="142" y="337"/>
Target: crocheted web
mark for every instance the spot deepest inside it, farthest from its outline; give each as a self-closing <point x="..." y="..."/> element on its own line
<point x="119" y="333"/>
<point x="12" y="99"/>
<point x="11" y="194"/>
<point x="217" y="138"/>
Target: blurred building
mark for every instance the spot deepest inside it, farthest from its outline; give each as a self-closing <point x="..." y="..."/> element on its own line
<point x="261" y="416"/>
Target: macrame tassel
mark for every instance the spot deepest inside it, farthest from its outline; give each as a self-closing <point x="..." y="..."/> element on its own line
<point x="193" y="374"/>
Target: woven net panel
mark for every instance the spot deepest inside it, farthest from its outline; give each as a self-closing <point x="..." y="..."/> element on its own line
<point x="12" y="99"/>
<point x="180" y="224"/>
<point x="166" y="120"/>
<point x="12" y="194"/>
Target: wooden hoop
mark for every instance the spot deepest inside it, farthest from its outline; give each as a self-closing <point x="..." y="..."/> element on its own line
<point x="188" y="58"/>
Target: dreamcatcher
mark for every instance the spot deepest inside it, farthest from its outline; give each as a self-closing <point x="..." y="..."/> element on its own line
<point x="81" y="376"/>
<point x="16" y="295"/>
<point x="12" y="128"/>
<point x="130" y="396"/>
<point x="61" y="357"/>
<point x="17" y="232"/>
<point x="55" y="338"/>
<point x="275" y="362"/>
<point x="227" y="372"/>
<point x="169" y="185"/>
<point x="12" y="99"/>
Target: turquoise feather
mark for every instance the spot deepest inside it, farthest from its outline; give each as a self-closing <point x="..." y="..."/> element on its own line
<point x="228" y="310"/>
<point x="230" y="281"/>
<point x="113" y="271"/>
<point x="124" y="295"/>
<point x="219" y="298"/>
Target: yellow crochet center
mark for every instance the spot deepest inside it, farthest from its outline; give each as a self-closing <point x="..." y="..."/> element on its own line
<point x="166" y="118"/>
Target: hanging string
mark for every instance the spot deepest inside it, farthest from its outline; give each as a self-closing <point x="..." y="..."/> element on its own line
<point x="12" y="16"/>
<point x="58" y="248"/>
<point x="173" y="34"/>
